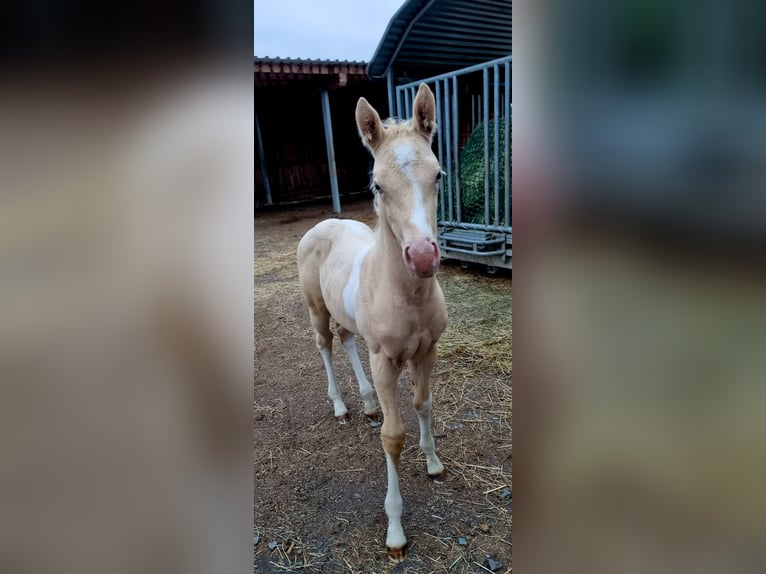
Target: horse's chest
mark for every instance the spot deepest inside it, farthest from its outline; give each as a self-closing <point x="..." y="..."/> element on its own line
<point x="403" y="333"/>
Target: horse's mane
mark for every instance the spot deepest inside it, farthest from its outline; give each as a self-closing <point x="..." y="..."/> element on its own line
<point x="395" y="125"/>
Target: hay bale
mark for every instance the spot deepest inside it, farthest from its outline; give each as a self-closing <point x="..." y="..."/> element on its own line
<point x="473" y="168"/>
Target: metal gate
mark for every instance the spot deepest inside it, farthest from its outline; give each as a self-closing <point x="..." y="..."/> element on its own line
<point x="473" y="114"/>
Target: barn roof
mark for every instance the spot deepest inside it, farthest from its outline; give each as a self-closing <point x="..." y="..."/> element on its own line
<point x="269" y="71"/>
<point x="302" y="61"/>
<point x="449" y="33"/>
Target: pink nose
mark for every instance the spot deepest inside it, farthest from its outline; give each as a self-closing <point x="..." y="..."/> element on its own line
<point x="422" y="257"/>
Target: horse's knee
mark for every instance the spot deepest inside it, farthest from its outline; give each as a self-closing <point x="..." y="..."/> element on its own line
<point x="344" y="334"/>
<point x="421" y="401"/>
<point x="393" y="444"/>
<point x="324" y="340"/>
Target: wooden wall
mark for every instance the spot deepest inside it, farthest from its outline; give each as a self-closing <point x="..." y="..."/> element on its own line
<point x="293" y="138"/>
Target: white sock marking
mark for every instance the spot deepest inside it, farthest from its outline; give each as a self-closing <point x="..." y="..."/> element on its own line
<point x="333" y="391"/>
<point x="433" y="464"/>
<point x="365" y="388"/>
<point x="395" y="537"/>
<point x="352" y="286"/>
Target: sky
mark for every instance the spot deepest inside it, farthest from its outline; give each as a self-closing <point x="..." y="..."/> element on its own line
<point x="325" y="29"/>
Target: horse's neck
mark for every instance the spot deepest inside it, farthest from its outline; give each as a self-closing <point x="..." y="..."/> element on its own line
<point x="390" y="264"/>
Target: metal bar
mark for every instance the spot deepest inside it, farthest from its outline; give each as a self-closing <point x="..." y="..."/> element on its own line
<point x="473" y="111"/>
<point x="496" y="102"/>
<point x="478" y="226"/>
<point x="456" y="146"/>
<point x="262" y="159"/>
<point x="391" y="93"/>
<point x="330" y="150"/>
<point x="486" y="145"/>
<point x="440" y="136"/>
<point x="463" y="71"/>
<point x="507" y="112"/>
<point x="447" y="249"/>
<point x="455" y="239"/>
<point x="399" y="101"/>
<point x="449" y="149"/>
<point x="407" y="103"/>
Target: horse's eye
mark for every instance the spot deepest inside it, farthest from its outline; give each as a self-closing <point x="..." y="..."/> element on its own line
<point x="438" y="176"/>
<point x="376" y="187"/>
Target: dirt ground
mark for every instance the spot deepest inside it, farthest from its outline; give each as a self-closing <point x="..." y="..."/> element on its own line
<point x="320" y="486"/>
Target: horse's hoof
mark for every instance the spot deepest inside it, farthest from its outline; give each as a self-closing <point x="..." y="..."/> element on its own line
<point x="396" y="555"/>
<point x="342" y="419"/>
<point x="440" y="478"/>
<point x="376" y="416"/>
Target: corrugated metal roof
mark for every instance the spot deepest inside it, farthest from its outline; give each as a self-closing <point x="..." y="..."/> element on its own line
<point x="449" y="33"/>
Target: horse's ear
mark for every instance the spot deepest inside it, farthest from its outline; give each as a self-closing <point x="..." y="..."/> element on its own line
<point x="424" y="112"/>
<point x="369" y="124"/>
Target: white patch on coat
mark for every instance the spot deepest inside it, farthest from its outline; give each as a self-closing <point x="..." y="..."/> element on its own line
<point x="352" y="286"/>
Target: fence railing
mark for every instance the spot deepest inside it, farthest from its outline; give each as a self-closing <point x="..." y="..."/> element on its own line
<point x="475" y="97"/>
<point x="473" y="114"/>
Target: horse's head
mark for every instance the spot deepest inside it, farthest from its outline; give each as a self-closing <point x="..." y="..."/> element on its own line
<point x="405" y="178"/>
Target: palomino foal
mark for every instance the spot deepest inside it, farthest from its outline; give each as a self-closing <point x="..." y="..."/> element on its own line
<point x="381" y="285"/>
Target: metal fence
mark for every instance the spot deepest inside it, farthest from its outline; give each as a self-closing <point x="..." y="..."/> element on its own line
<point x="473" y="112"/>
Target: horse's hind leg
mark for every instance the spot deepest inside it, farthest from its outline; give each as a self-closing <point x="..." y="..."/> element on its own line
<point x="320" y="319"/>
<point x="371" y="408"/>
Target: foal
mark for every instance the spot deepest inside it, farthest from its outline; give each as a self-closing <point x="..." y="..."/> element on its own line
<point x="381" y="285"/>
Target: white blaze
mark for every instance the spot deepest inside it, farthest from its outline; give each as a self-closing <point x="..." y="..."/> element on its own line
<point x="418" y="217"/>
<point x="405" y="156"/>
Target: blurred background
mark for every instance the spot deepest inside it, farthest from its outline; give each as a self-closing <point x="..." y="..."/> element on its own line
<point x="640" y="301"/>
<point x="126" y="301"/>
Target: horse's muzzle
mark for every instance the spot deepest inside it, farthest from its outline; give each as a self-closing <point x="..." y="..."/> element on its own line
<point x="422" y="257"/>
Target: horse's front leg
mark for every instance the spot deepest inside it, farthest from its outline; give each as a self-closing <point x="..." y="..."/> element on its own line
<point x="420" y="369"/>
<point x="385" y="374"/>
